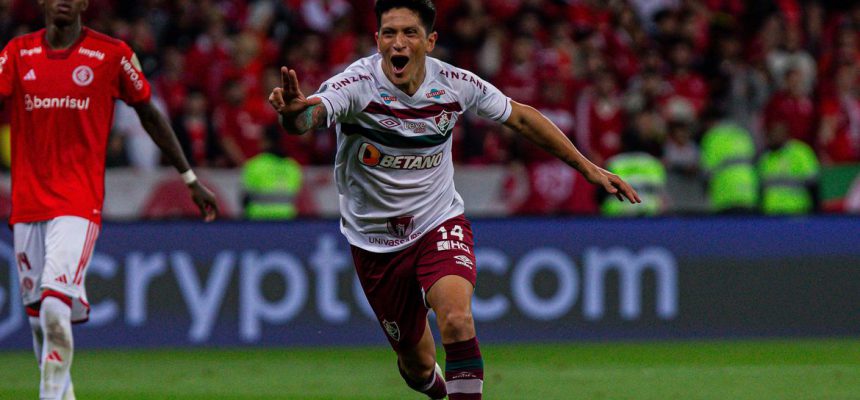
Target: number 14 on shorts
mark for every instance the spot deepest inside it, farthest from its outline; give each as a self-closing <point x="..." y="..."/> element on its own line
<point x="445" y="244"/>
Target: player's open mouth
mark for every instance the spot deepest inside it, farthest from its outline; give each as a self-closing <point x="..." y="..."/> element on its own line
<point x="399" y="63"/>
<point x="64" y="8"/>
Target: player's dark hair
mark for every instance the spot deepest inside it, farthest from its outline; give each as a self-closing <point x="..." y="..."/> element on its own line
<point x="425" y="9"/>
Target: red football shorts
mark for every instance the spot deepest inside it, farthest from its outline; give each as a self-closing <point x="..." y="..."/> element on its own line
<point x="396" y="283"/>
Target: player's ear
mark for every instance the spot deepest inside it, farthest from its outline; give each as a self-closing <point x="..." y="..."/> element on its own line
<point x="376" y="37"/>
<point x="431" y="41"/>
<point x="85" y="5"/>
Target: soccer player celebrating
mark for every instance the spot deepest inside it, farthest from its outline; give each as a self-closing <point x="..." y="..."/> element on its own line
<point x="60" y="84"/>
<point x="411" y="245"/>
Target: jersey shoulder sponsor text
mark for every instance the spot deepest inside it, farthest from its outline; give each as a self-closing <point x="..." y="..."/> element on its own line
<point x="476" y="94"/>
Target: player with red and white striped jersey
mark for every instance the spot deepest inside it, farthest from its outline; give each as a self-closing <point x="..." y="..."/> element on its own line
<point x="60" y="84"/>
<point x="411" y="245"/>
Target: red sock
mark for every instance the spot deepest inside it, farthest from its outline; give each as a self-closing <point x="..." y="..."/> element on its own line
<point x="464" y="370"/>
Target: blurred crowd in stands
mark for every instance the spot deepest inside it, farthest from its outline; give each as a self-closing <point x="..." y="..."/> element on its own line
<point x="617" y="76"/>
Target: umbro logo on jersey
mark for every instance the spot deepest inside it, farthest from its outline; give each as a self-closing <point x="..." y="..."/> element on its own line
<point x="389" y="123"/>
<point x="30" y="76"/>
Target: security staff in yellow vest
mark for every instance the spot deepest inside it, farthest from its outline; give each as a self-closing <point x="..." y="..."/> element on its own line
<point x="271" y="183"/>
<point x="647" y="175"/>
<point x="789" y="174"/>
<point x="728" y="157"/>
<point x="642" y="170"/>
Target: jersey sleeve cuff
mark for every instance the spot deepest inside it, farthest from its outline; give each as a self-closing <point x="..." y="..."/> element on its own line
<point x="328" y="108"/>
<point x="507" y="113"/>
<point x="137" y="102"/>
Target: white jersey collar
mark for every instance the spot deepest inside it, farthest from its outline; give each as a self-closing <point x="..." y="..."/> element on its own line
<point x="430" y="72"/>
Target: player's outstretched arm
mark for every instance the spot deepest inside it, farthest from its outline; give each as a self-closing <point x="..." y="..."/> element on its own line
<point x="162" y="134"/>
<point x="540" y="130"/>
<point x="297" y="113"/>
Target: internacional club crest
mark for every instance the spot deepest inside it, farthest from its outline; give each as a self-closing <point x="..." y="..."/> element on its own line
<point x="82" y="75"/>
<point x="392" y="329"/>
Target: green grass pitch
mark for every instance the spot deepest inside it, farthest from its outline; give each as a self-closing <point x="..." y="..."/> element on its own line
<point x="771" y="370"/>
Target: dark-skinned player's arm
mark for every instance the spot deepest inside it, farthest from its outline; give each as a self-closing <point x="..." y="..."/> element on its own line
<point x="162" y="134"/>
<point x="297" y="113"/>
<point x="538" y="129"/>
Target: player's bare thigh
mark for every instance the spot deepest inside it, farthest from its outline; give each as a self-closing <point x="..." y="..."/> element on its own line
<point x="451" y="299"/>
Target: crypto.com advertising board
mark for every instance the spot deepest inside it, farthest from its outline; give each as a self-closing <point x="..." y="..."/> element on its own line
<point x="186" y="283"/>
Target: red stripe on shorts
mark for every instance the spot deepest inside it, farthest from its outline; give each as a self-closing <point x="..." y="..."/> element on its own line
<point x="89" y="243"/>
<point x="58" y="295"/>
<point x="93" y="237"/>
<point x="83" y="258"/>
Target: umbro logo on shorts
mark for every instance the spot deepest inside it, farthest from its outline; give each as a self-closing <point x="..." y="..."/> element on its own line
<point x="464" y="261"/>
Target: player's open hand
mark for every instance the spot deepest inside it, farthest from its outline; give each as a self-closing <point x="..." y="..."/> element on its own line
<point x="613" y="184"/>
<point x="288" y="99"/>
<point x="205" y="201"/>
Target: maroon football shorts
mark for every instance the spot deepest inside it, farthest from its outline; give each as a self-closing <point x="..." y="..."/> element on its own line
<point x="396" y="283"/>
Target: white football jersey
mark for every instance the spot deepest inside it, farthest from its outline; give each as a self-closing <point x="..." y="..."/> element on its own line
<point x="393" y="169"/>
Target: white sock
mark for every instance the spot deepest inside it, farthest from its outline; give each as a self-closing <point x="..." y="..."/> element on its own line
<point x="55" y="317"/>
<point x="38" y="337"/>
<point x="70" y="390"/>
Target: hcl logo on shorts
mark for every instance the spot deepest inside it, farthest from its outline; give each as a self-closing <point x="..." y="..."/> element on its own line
<point x="371" y="156"/>
<point x="68" y="102"/>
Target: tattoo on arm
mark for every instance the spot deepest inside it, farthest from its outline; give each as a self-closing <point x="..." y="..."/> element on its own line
<point x="309" y="119"/>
